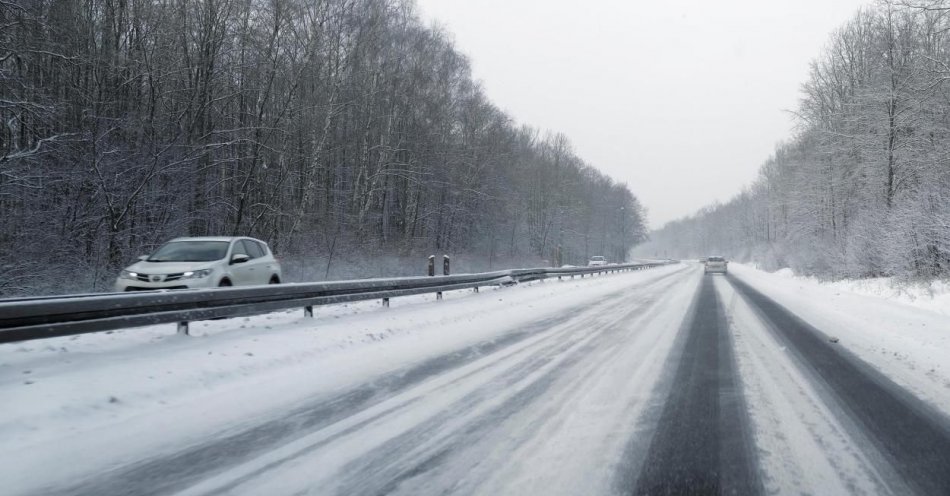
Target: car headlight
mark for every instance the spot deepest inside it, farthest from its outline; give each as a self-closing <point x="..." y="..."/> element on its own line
<point x="129" y="275"/>
<point x="196" y="274"/>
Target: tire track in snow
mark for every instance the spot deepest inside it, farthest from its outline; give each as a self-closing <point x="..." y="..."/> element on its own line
<point x="427" y="445"/>
<point x="912" y="437"/>
<point x="802" y="445"/>
<point x="702" y="443"/>
<point x="176" y="471"/>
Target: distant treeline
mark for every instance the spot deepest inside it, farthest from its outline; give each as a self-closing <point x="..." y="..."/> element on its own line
<point x="321" y="126"/>
<point x="864" y="188"/>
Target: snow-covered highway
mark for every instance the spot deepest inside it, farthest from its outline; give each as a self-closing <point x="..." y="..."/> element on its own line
<point x="661" y="381"/>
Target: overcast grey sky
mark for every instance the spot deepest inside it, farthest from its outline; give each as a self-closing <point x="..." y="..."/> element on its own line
<point x="682" y="100"/>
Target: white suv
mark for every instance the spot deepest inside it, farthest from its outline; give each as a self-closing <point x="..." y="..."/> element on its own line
<point x="597" y="261"/>
<point x="204" y="262"/>
<point x="715" y="264"/>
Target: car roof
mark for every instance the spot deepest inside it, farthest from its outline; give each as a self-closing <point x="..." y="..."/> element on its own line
<point x="212" y="238"/>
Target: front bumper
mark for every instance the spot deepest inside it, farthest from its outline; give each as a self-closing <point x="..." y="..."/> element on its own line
<point x="140" y="288"/>
<point x="136" y="285"/>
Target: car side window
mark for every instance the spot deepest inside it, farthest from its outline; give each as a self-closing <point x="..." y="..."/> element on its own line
<point x="263" y="248"/>
<point x="253" y="249"/>
<point x="239" y="249"/>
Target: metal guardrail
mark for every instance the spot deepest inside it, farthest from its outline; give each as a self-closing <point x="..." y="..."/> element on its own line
<point x="23" y="319"/>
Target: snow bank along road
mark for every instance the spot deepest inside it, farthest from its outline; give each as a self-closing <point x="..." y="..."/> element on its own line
<point x="655" y="382"/>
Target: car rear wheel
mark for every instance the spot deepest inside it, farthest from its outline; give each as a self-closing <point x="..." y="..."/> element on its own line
<point x="274" y="280"/>
<point x="225" y="283"/>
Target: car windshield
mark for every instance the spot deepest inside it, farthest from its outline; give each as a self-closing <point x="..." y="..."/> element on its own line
<point x="190" y="251"/>
<point x="716" y="259"/>
<point x="597" y="259"/>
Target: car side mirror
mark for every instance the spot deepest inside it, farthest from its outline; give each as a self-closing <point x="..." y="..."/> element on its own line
<point x="142" y="257"/>
<point x="239" y="258"/>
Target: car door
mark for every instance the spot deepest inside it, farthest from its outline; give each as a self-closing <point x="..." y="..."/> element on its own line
<point x="273" y="266"/>
<point x="259" y="270"/>
<point x="242" y="274"/>
<point x="269" y="264"/>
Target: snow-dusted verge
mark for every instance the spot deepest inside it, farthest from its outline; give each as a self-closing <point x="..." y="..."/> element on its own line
<point x="909" y="344"/>
<point x="802" y="447"/>
<point x="933" y="296"/>
<point x="87" y="403"/>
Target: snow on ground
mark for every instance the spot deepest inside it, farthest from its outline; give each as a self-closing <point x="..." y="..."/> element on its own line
<point x="99" y="393"/>
<point x="801" y="444"/>
<point x="907" y="343"/>
<point x="550" y="415"/>
<point x="933" y="296"/>
<point x="566" y="397"/>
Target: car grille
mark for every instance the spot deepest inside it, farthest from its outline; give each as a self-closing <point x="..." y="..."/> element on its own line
<point x="137" y="288"/>
<point x="161" y="277"/>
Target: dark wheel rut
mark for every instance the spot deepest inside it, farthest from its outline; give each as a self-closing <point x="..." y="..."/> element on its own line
<point x="911" y="436"/>
<point x="702" y="444"/>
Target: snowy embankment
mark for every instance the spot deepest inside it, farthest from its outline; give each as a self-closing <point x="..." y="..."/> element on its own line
<point x="907" y="343"/>
<point x="933" y="296"/>
<point x="146" y="391"/>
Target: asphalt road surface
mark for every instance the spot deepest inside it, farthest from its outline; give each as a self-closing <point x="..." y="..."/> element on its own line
<point x="666" y="387"/>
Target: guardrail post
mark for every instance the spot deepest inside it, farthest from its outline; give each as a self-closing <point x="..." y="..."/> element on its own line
<point x="386" y="302"/>
<point x="183" y="329"/>
<point x="445" y="271"/>
<point x="308" y="311"/>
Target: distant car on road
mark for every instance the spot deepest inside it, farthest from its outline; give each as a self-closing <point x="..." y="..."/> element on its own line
<point x="597" y="261"/>
<point x="203" y="262"/>
<point x="715" y="264"/>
